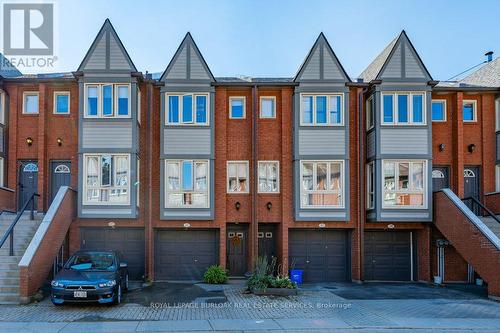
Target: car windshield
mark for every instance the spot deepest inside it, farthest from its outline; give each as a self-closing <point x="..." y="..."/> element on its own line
<point x="90" y="261"/>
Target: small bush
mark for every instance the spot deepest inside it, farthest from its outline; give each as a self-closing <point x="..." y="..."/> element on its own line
<point x="263" y="276"/>
<point x="215" y="275"/>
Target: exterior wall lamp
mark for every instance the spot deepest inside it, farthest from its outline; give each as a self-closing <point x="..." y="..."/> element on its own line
<point x="442" y="146"/>
<point x="237" y="205"/>
<point x="269" y="205"/>
<point x="29" y="141"/>
<point x="471" y="148"/>
<point x="59" y="141"/>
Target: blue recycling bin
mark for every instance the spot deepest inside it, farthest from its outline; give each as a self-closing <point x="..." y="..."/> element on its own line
<point x="296" y="275"/>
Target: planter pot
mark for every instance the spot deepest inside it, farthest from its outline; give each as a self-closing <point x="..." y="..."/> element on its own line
<point x="275" y="292"/>
<point x="438" y="279"/>
<point x="479" y="282"/>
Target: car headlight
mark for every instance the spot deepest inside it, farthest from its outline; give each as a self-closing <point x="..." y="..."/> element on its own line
<point x="110" y="283"/>
<point x="56" y="284"/>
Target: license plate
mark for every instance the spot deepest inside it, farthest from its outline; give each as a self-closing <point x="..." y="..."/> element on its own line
<point x="80" y="294"/>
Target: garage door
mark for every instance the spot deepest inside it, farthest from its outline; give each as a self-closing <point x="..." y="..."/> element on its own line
<point x="129" y="241"/>
<point x="185" y="254"/>
<point x="388" y="256"/>
<point x="322" y="254"/>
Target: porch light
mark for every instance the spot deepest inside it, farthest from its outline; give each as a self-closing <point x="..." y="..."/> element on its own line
<point x="269" y="205"/>
<point x="29" y="141"/>
<point x="471" y="148"/>
<point x="442" y="146"/>
<point x="59" y="141"/>
<point x="237" y="205"/>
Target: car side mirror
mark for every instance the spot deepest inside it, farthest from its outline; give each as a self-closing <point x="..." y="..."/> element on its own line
<point x="123" y="265"/>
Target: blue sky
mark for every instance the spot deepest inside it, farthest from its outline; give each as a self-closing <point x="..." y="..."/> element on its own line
<point x="272" y="38"/>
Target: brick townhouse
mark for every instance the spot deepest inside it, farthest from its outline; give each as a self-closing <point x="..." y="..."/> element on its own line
<point x="349" y="179"/>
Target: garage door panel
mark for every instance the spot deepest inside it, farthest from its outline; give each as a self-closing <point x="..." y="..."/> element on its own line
<point x="387" y="256"/>
<point x="322" y="254"/>
<point x="184" y="254"/>
<point x="128" y="241"/>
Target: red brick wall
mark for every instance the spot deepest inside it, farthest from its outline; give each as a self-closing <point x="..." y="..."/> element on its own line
<point x="492" y="202"/>
<point x="7" y="199"/>
<point x="32" y="276"/>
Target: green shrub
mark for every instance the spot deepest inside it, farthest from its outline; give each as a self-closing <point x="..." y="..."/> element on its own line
<point x="215" y="275"/>
<point x="263" y="276"/>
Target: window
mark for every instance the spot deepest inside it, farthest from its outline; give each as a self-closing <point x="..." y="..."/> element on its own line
<point x="370" y="185"/>
<point x="268" y="176"/>
<point x="182" y="109"/>
<point x="322" y="184"/>
<point x="61" y="102"/>
<point x="237" y="177"/>
<point x="497" y="178"/>
<point x="106" y="179"/>
<point x="321" y="110"/>
<point x="403" y="108"/>
<point x="186" y="183"/>
<point x="497" y="108"/>
<point x="268" y="107"/>
<point x="30" y="103"/>
<point x="139" y="106"/>
<point x="2" y="183"/>
<point x="237" y="107"/>
<point x="469" y="111"/>
<point x="107" y="101"/>
<point x="138" y="183"/>
<point x="404" y="184"/>
<point x="438" y="110"/>
<point x="2" y="108"/>
<point x="370" y="113"/>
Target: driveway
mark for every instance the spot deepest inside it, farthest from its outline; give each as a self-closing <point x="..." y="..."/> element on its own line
<point x="188" y="307"/>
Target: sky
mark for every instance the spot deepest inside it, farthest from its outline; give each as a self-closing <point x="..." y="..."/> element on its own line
<point x="271" y="38"/>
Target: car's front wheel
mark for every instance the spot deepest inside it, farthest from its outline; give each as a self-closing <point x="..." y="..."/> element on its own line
<point x="118" y="297"/>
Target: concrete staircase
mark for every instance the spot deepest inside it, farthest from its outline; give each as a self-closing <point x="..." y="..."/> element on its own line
<point x="493" y="225"/>
<point x="9" y="270"/>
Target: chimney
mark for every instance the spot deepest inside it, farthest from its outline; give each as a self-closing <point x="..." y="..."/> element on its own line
<point x="489" y="56"/>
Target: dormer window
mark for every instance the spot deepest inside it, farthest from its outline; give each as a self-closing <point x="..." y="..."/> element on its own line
<point x="186" y="109"/>
<point x="403" y="108"/>
<point x="107" y="101"/>
<point x="321" y="110"/>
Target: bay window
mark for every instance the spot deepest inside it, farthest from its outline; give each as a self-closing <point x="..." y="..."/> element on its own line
<point x="370" y="113"/>
<point x="322" y="184"/>
<point x="404" y="184"/>
<point x="186" y="183"/>
<point x="321" y="110"/>
<point x="403" y="108"/>
<point x="237" y="177"/>
<point x="2" y="108"/>
<point x="107" y="100"/>
<point x="370" y="185"/>
<point x="191" y="109"/>
<point x="268" y="176"/>
<point x="106" y="179"/>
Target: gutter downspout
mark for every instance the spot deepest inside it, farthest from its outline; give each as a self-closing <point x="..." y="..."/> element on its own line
<point x="254" y="226"/>
<point x="149" y="199"/>
<point x="361" y="177"/>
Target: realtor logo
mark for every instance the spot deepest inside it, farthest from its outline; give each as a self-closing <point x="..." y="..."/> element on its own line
<point x="28" y="29"/>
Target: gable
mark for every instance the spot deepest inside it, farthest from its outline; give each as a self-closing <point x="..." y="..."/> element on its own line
<point x="403" y="62"/>
<point x="187" y="63"/>
<point x="321" y="64"/>
<point x="107" y="53"/>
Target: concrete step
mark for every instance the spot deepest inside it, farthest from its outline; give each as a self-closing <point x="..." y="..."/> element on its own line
<point x="9" y="265"/>
<point x="9" y="298"/>
<point x="9" y="259"/>
<point x="9" y="273"/>
<point x="9" y="288"/>
<point x="5" y="281"/>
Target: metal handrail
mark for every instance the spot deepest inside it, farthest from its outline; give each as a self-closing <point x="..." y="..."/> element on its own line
<point x="10" y="230"/>
<point x="483" y="207"/>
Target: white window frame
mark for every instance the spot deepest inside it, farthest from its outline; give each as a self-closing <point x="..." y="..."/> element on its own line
<point x="193" y="109"/>
<point x="99" y="177"/>
<point x="497" y="115"/>
<point x="410" y="121"/>
<point x="62" y="93"/>
<point x="139" y="105"/>
<point x="100" y="100"/>
<point x="2" y="169"/>
<point x="314" y="177"/>
<point x="228" y="187"/>
<point x="370" y="204"/>
<point x="2" y="107"/>
<point x="273" y="98"/>
<point x="181" y="191"/>
<point x="138" y="183"/>
<point x="370" y="113"/>
<point x="277" y="176"/>
<point x="232" y="98"/>
<point x="327" y="124"/>
<point x="409" y="190"/>
<point x="474" y="106"/>
<point x="497" y="178"/>
<point x="445" y="110"/>
<point x="31" y="93"/>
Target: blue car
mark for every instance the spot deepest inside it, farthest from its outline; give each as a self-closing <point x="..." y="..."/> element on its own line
<point x="91" y="276"/>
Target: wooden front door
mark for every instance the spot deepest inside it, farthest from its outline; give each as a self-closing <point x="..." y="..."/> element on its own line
<point x="237" y="251"/>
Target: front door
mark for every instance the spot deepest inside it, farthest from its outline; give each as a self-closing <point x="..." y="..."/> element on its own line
<point x="440" y="178"/>
<point x="60" y="175"/>
<point x="28" y="182"/>
<point x="471" y="186"/>
<point x="237" y="251"/>
<point x="267" y="243"/>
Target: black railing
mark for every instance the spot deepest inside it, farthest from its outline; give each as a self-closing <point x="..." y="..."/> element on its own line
<point x="475" y="203"/>
<point x="10" y="231"/>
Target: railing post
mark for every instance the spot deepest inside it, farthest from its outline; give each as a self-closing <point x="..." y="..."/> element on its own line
<point x="32" y="215"/>
<point x="11" y="249"/>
